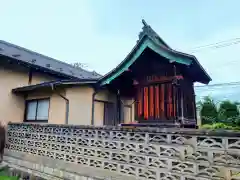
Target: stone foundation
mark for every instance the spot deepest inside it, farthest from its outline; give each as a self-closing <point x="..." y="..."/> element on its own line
<point x="35" y="171"/>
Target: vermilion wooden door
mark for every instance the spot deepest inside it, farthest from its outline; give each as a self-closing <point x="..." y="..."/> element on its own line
<point x="155" y="102"/>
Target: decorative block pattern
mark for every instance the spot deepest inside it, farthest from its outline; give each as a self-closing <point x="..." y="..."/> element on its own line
<point x="140" y="154"/>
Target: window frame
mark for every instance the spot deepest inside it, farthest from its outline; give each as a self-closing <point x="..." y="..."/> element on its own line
<point x="26" y="109"/>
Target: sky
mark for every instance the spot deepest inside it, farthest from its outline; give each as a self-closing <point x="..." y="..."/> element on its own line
<point x="101" y="33"/>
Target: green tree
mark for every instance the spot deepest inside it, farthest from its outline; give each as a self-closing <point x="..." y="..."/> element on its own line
<point x="208" y="110"/>
<point x="228" y="112"/>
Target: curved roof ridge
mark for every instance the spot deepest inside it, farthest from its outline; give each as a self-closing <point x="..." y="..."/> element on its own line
<point x="155" y="41"/>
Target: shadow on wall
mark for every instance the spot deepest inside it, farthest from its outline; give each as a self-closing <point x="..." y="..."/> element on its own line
<point x="2" y="140"/>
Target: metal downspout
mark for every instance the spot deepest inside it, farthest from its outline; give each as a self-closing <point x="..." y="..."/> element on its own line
<point x="93" y="105"/>
<point x="67" y="104"/>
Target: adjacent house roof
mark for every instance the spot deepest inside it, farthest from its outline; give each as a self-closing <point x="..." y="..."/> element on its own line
<point x="51" y="84"/>
<point x="148" y="38"/>
<point x="38" y="60"/>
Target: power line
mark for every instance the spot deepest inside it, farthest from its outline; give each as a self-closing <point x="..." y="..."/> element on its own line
<point x="219" y="84"/>
<point x="219" y="42"/>
<point x="217" y="45"/>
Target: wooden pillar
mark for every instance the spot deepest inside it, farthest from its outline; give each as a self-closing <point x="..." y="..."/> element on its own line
<point x="119" y="107"/>
<point x="194" y="106"/>
<point x="174" y="94"/>
<point x="182" y="105"/>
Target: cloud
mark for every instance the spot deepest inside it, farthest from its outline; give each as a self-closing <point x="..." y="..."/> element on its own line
<point x="71" y="32"/>
<point x="65" y="31"/>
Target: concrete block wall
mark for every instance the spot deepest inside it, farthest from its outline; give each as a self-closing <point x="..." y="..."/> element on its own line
<point x="137" y="154"/>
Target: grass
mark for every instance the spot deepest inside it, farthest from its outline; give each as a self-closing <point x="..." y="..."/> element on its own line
<point x="220" y="126"/>
<point x="3" y="175"/>
<point x="8" y="178"/>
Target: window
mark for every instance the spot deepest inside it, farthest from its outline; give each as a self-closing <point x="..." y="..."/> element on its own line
<point x="37" y="110"/>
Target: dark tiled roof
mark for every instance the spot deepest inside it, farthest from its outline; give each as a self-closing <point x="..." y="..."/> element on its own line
<point x="49" y="84"/>
<point x="36" y="59"/>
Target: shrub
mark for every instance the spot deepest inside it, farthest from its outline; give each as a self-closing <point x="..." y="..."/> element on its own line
<point x="208" y="110"/>
<point x="237" y="121"/>
<point x="228" y="112"/>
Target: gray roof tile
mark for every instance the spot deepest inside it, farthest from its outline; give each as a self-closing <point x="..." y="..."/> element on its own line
<point x="31" y="57"/>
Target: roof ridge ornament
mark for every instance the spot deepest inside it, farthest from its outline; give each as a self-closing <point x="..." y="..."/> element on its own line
<point x="144" y="22"/>
<point x="147" y="30"/>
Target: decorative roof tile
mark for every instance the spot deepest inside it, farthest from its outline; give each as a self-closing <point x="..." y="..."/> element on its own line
<point x="147" y="30"/>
